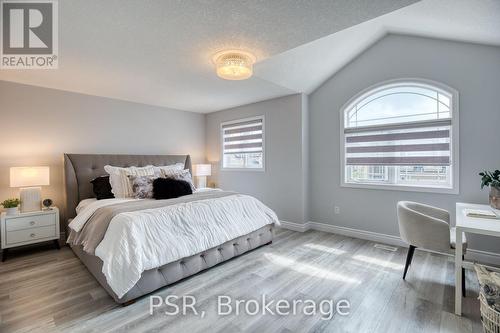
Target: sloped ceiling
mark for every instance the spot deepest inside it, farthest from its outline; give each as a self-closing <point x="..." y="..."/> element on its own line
<point x="159" y="52"/>
<point x="304" y="68"/>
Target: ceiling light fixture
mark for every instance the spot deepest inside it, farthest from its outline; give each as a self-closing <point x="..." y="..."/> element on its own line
<point x="234" y="64"/>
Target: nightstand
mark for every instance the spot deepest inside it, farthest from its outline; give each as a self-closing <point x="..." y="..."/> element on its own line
<point x="29" y="228"/>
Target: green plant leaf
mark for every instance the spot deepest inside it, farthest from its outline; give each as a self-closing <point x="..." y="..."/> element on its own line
<point x="11" y="203"/>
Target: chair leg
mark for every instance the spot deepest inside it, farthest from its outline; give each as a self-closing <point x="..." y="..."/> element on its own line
<point x="463" y="280"/>
<point x="409" y="257"/>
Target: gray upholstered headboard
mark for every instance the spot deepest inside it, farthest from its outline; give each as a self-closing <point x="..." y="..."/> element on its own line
<point x="80" y="169"/>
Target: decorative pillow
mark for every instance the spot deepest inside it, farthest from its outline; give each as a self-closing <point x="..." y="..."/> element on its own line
<point x="142" y="186"/>
<point x="118" y="178"/>
<point x="102" y="188"/>
<point x="184" y="175"/>
<point x="168" y="188"/>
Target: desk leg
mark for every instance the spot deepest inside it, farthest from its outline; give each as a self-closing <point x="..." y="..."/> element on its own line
<point x="458" y="273"/>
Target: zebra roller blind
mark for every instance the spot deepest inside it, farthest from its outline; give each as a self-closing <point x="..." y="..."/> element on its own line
<point x="243" y="143"/>
<point x="425" y="143"/>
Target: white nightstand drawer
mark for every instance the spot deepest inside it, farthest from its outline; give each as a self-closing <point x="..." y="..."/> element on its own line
<point x="28" y="222"/>
<point x="28" y="228"/>
<point x="28" y="235"/>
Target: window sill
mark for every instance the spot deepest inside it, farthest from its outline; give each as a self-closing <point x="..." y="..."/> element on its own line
<point x="406" y="188"/>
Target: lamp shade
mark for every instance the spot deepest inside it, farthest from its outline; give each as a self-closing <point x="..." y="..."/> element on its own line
<point x="201" y="170"/>
<point x="29" y="176"/>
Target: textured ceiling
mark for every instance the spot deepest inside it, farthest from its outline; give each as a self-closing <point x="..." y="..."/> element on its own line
<point x="475" y="21"/>
<point x="159" y="52"/>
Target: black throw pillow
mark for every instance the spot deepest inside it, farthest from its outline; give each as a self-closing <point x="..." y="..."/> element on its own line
<point x="102" y="188"/>
<point x="168" y="188"/>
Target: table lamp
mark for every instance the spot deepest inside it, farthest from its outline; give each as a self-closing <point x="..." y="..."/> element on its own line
<point x="201" y="171"/>
<point x="29" y="179"/>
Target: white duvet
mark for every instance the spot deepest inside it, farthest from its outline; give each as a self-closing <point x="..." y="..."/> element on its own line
<point x="147" y="239"/>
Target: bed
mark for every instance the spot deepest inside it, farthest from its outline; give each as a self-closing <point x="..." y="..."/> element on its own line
<point x="219" y="245"/>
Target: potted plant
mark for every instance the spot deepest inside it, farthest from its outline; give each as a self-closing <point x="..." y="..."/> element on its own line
<point x="492" y="179"/>
<point x="10" y="206"/>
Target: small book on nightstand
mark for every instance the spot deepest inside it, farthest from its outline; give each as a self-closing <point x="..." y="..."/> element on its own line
<point x="481" y="213"/>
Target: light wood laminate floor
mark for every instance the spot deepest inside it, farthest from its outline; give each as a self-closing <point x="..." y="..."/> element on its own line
<point x="51" y="291"/>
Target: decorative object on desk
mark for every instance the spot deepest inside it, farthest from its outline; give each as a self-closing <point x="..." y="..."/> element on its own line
<point x="201" y="171"/>
<point x="10" y="206"/>
<point x="47" y="203"/>
<point x="492" y="179"/>
<point x="29" y="179"/>
<point x="481" y="213"/>
<point x="495" y="197"/>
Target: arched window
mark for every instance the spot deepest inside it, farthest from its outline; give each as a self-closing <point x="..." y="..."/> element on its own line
<point x="401" y="135"/>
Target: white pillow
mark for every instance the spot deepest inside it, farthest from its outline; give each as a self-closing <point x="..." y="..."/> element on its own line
<point x="118" y="178"/>
<point x="167" y="168"/>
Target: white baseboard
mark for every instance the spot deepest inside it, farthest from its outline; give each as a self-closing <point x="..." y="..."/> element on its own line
<point x="483" y="257"/>
<point x="472" y="254"/>
<point x="356" y="233"/>
<point x="300" y="227"/>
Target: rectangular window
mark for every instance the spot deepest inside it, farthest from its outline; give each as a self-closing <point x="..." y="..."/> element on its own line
<point x="243" y="144"/>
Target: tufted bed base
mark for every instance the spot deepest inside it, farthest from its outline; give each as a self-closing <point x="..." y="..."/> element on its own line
<point x="154" y="279"/>
<point x="80" y="169"/>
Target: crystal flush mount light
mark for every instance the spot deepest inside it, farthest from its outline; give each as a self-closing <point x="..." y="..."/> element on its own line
<point x="234" y="64"/>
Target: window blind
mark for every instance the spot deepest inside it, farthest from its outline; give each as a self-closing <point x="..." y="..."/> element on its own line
<point x="419" y="143"/>
<point x="243" y="137"/>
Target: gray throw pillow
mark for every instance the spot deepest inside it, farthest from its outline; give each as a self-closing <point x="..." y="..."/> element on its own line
<point x="142" y="186"/>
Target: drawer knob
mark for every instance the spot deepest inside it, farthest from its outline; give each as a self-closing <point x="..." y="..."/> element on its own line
<point x="32" y="235"/>
<point x="32" y="223"/>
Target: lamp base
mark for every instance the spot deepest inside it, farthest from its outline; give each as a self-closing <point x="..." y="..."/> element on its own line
<point x="31" y="199"/>
<point x="202" y="182"/>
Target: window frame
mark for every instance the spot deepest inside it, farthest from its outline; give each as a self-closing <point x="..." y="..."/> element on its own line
<point x="221" y="136"/>
<point x="454" y="137"/>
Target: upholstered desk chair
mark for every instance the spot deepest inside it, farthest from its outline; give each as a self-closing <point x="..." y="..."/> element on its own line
<point x="427" y="227"/>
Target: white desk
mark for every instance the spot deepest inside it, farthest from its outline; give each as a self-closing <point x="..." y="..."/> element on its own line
<point x="473" y="225"/>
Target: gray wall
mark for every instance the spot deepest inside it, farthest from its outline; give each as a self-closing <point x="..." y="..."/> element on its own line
<point x="474" y="70"/>
<point x="38" y="125"/>
<point x="282" y="186"/>
<point x="302" y="177"/>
